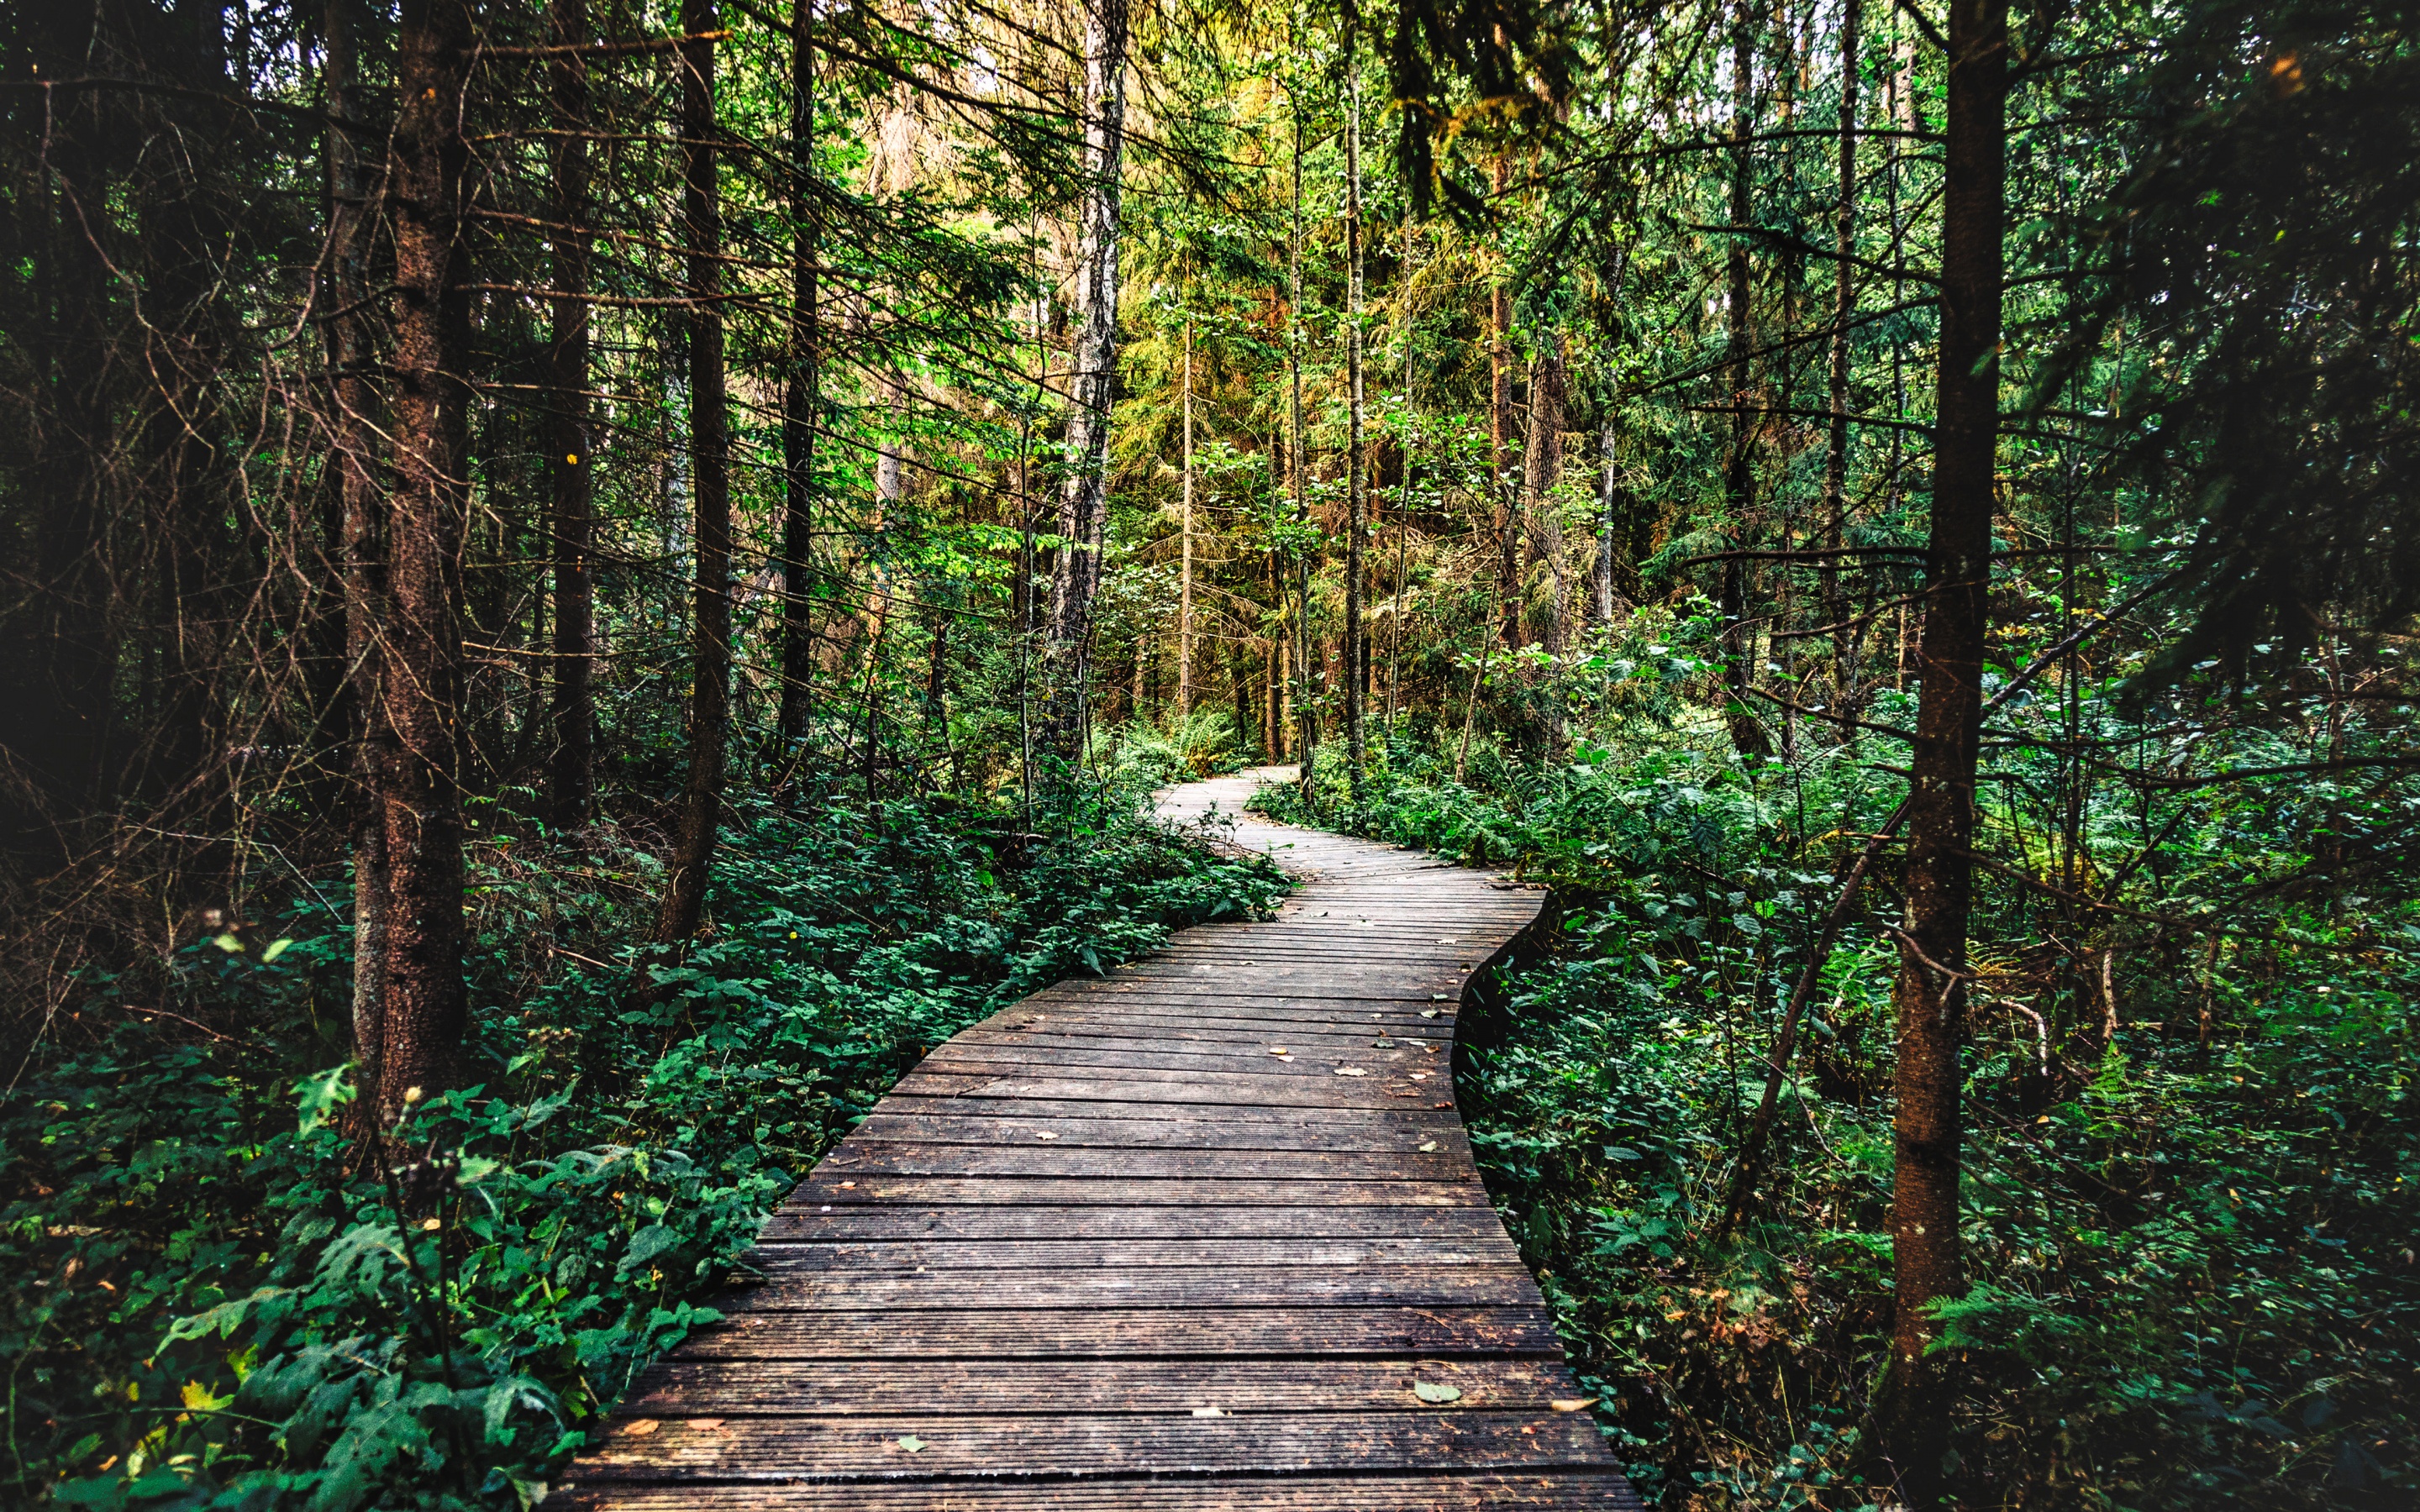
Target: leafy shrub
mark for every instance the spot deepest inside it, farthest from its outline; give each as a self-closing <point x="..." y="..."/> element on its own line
<point x="211" y="1301"/>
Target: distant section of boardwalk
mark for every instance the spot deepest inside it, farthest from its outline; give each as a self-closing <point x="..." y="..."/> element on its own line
<point x="1203" y="1236"/>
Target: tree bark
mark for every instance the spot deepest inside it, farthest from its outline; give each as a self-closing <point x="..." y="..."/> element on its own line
<point x="1542" y="467"/>
<point x="360" y="561"/>
<point x="802" y="392"/>
<point x="425" y="1019"/>
<point x="1928" y="994"/>
<point x="1499" y="444"/>
<point x="1084" y="503"/>
<point x="570" y="454"/>
<point x="1609" y="517"/>
<point x="1185" y="572"/>
<point x="1739" y="472"/>
<point x="709" y="716"/>
<point x="1835" y="457"/>
<point x="1356" y="487"/>
<point x="1300" y="686"/>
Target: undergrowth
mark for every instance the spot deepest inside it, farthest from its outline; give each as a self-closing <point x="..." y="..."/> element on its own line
<point x="2192" y="1139"/>
<point x="209" y="1302"/>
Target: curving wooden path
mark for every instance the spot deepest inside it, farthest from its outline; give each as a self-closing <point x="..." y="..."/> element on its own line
<point x="1203" y="1236"/>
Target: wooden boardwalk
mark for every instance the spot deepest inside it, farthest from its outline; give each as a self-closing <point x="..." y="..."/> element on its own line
<point x="1203" y="1236"/>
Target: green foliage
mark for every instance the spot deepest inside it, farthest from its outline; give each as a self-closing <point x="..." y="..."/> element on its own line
<point x="2188" y="1239"/>
<point x="211" y="1302"/>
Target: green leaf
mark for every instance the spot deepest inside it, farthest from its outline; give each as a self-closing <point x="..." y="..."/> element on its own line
<point x="1435" y="1393"/>
<point x="275" y="949"/>
<point x="911" y="1443"/>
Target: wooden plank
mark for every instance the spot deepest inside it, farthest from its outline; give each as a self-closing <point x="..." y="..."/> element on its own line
<point x="1372" y="1133"/>
<point x="1038" y="1447"/>
<point x="1077" y="1254"/>
<point x="819" y="1190"/>
<point x="1562" y="1490"/>
<point x="951" y="1388"/>
<point x="979" y="1223"/>
<point x="1209" y="1286"/>
<point x="1312" y="1120"/>
<point x="857" y="1159"/>
<point x="1334" y="1092"/>
<point x="1092" y="1332"/>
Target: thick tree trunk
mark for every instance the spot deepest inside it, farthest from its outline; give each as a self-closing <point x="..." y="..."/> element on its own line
<point x="1835" y="457"/>
<point x="1084" y="504"/>
<point x="1929" y="995"/>
<point x="571" y="458"/>
<point x="1356" y="487"/>
<point x="1739" y="474"/>
<point x="709" y="715"/>
<point x="802" y="392"/>
<point x="426" y="1021"/>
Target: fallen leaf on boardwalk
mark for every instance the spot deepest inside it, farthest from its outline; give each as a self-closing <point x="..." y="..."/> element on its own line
<point x="1209" y="1412"/>
<point x="1445" y="1104"/>
<point x="1572" y="1404"/>
<point x="1434" y="1393"/>
<point x="1351" y="1071"/>
<point x="1045" y="1135"/>
<point x="641" y="1428"/>
<point x="1277" y="1050"/>
<point x="1428" y="1013"/>
<point x="851" y="1185"/>
<point x="1419" y="1075"/>
<point x="911" y="1443"/>
<point x="704" y="1424"/>
<point x="1428" y="1147"/>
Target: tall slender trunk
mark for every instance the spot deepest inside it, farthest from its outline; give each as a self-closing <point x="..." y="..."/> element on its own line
<point x="425" y="1019"/>
<point x="360" y="560"/>
<point x="1297" y="466"/>
<point x="1739" y="474"/>
<point x="709" y="709"/>
<point x="1499" y="444"/>
<point x="1929" y="995"/>
<point x="1836" y="456"/>
<point x="1084" y="506"/>
<point x="1185" y="572"/>
<point x="571" y="459"/>
<point x="1542" y="467"/>
<point x="800" y="394"/>
<point x="1609" y="517"/>
<point x="1356" y="487"/>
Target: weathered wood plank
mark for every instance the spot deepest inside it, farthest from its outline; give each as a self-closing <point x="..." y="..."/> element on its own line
<point x="1209" y="1286"/>
<point x="1031" y="1448"/>
<point x="953" y="1388"/>
<point x="1043" y="1333"/>
<point x="820" y="1190"/>
<point x="1077" y="1254"/>
<point x="980" y="1224"/>
<point x="1562" y="1490"/>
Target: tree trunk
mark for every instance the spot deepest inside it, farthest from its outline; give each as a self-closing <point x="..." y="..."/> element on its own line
<point x="426" y="1020"/>
<point x="1929" y="995"/>
<point x="572" y="460"/>
<point x="1542" y="467"/>
<point x="709" y="488"/>
<point x="1500" y="445"/>
<point x="1835" y="457"/>
<point x="1083" y="515"/>
<point x="1739" y="474"/>
<point x="1185" y="573"/>
<point x="1608" y="489"/>
<point x="358" y="553"/>
<point x="1356" y="485"/>
<point x="1306" y="707"/>
<point x="801" y="395"/>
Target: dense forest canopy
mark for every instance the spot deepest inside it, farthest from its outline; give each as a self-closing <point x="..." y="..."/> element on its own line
<point x="585" y="581"/>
